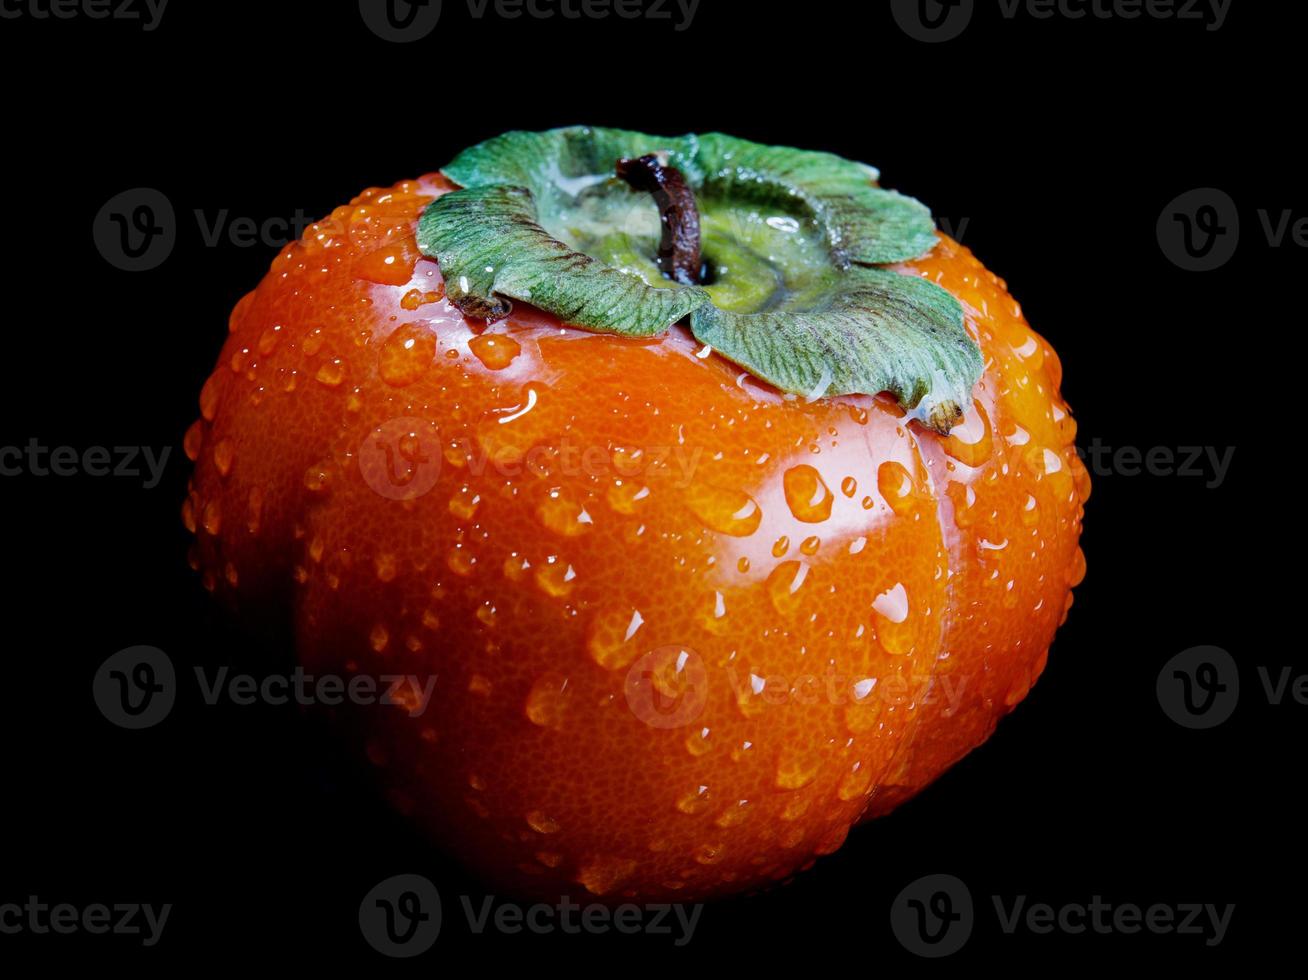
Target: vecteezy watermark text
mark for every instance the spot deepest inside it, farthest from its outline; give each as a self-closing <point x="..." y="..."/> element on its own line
<point x="1199" y="231"/>
<point x="137" y="688"/>
<point x="120" y="919"/>
<point x="1200" y="687"/>
<point x="406" y="21"/>
<point x="147" y="13"/>
<point x="934" y="21"/>
<point x="402" y="917"/>
<point x="935" y="916"/>
<point x="1209" y="463"/>
<point x="122" y="462"/>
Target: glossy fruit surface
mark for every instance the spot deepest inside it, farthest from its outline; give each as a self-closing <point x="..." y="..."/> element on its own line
<point x="682" y="631"/>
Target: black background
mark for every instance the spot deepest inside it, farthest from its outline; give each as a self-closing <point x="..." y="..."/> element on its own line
<point x="1059" y="142"/>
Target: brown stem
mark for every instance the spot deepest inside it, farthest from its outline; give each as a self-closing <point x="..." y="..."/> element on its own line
<point x="679" y="255"/>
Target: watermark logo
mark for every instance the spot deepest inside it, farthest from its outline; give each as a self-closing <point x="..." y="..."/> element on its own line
<point x="136" y="687"/>
<point x="405" y="21"/>
<point x="933" y="916"/>
<point x="932" y="21"/>
<point x="401" y="916"/>
<point x="136" y="230"/>
<point x="400" y="21"/>
<point x="1199" y="230"/>
<point x="1200" y="687"/>
<point x="667" y="687"/>
<point x="401" y="458"/>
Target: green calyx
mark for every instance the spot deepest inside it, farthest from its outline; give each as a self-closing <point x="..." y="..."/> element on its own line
<point x="790" y="241"/>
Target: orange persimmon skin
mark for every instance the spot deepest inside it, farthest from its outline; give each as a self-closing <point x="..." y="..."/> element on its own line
<point x="684" y="631"/>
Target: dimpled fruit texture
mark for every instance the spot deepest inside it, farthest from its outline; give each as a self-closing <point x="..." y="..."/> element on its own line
<point x="681" y="632"/>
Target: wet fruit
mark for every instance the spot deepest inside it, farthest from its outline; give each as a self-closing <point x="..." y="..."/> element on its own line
<point x="685" y="628"/>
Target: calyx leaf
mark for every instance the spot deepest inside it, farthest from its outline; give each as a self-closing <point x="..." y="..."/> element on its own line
<point x="872" y="330"/>
<point x="490" y="246"/>
<point x="789" y="239"/>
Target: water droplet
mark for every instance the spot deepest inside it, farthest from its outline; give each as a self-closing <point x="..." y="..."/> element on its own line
<point x="1076" y="571"/>
<point x="269" y="339"/>
<point x="209" y="398"/>
<point x="1030" y="511"/>
<point x="316" y="478"/>
<point x="386" y="568"/>
<point x="555" y="577"/>
<point x="564" y="515"/>
<point x="697" y="743"/>
<point x="810" y="545"/>
<point x="784" y="584"/>
<point x="893" y="603"/>
<point x="516" y="567"/>
<point x="611" y="633"/>
<point x="379" y="637"/>
<point x="495" y="351"/>
<point x="601" y="875"/>
<point x="893" y="631"/>
<point x="331" y="373"/>
<point x="223" y="456"/>
<point x="734" y="815"/>
<point x="212" y="520"/>
<point x="807" y="495"/>
<point x="463" y="504"/>
<point x="391" y="265"/>
<point x="964" y="501"/>
<point x="416" y="298"/>
<point x="696" y="801"/>
<point x="313" y="342"/>
<point x="547" y="703"/>
<point x="855" y="783"/>
<point x="486" y="613"/>
<point x="407" y="354"/>
<point x="254" y="515"/>
<point x="795" y="807"/>
<point x="897" y="487"/>
<point x="713" y="613"/>
<point x="625" y="496"/>
<point x="849" y="486"/>
<point x="709" y="853"/>
<point x="970" y="442"/>
<point x="193" y="440"/>
<point x="541" y="822"/>
<point x="796" y="770"/>
<point x="732" y="512"/>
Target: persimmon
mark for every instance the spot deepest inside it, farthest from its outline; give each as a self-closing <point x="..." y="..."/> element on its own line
<point x="727" y="502"/>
